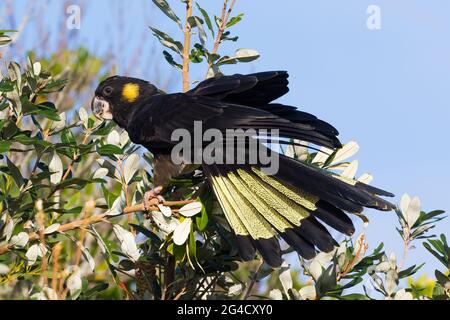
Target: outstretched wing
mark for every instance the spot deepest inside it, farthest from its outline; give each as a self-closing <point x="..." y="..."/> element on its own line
<point x="250" y="90"/>
<point x="165" y="113"/>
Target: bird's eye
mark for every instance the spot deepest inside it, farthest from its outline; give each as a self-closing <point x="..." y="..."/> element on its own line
<point x="107" y="91"/>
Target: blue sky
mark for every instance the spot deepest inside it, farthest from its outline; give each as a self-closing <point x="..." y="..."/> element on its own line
<point x="388" y="89"/>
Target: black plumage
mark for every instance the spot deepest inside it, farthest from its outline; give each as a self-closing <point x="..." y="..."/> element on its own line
<point x="258" y="207"/>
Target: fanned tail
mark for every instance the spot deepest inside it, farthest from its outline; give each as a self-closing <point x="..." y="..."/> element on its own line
<point x="260" y="207"/>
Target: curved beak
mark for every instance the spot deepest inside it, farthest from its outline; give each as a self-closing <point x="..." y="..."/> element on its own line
<point x="101" y="109"/>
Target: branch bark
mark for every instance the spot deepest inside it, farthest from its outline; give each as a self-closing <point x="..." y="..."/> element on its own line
<point x="187" y="46"/>
<point x="224" y="17"/>
<point x="82" y="223"/>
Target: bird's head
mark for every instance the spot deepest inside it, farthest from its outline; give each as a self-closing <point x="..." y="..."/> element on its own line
<point x="117" y="96"/>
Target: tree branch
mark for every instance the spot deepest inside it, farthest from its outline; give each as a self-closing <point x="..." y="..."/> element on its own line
<point x="82" y="223"/>
<point x="224" y="17"/>
<point x="187" y="46"/>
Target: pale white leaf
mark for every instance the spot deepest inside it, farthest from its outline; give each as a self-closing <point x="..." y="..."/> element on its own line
<point x="4" y="269"/>
<point x="166" y="211"/>
<point x="127" y="242"/>
<point x="322" y="155"/>
<point x="58" y="125"/>
<point x="403" y="295"/>
<point x="164" y="224"/>
<point x="53" y="228"/>
<point x="391" y="281"/>
<point x="393" y="261"/>
<point x="365" y="178"/>
<point x="113" y="138"/>
<point x="404" y="204"/>
<point x="84" y="117"/>
<point x="100" y="173"/>
<point x="350" y="171"/>
<point x="413" y="211"/>
<point x="74" y="284"/>
<point x="8" y="229"/>
<point x="118" y="205"/>
<point x="324" y="258"/>
<point x="285" y="277"/>
<point x="37" y="68"/>
<point x="56" y="167"/>
<point x="246" y="55"/>
<point x="130" y="167"/>
<point x="191" y="209"/>
<point x="235" y="290"/>
<point x="383" y="267"/>
<point x="124" y="138"/>
<point x="32" y="254"/>
<point x="275" y="294"/>
<point x="347" y="151"/>
<point x="182" y="231"/>
<point x="315" y="269"/>
<point x="308" y="293"/>
<point x="289" y="152"/>
<point x="87" y="255"/>
<point x="20" y="240"/>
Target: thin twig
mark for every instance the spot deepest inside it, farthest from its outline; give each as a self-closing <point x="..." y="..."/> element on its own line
<point x="40" y="219"/>
<point x="82" y="223"/>
<point x="406" y="243"/>
<point x="361" y="251"/>
<point x="187" y="46"/>
<point x="74" y="159"/>
<point x="225" y="15"/>
<point x="253" y="281"/>
<point x="55" y="276"/>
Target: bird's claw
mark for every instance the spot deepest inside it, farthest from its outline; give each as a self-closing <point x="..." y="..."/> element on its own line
<point x="152" y="198"/>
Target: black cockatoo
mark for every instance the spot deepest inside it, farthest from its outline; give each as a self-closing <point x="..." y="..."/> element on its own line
<point x="291" y="204"/>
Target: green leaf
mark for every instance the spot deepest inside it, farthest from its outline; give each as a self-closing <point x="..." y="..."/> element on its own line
<point x="67" y="137"/>
<point x="171" y="61"/>
<point x="165" y="8"/>
<point x="15" y="74"/>
<point x="246" y="55"/>
<point x="127" y="265"/>
<point x="207" y="207"/>
<point x="5" y="146"/>
<point x="109" y="149"/>
<point x="226" y="60"/>
<point x="441" y="278"/>
<point x="15" y="172"/>
<point x="54" y="86"/>
<point x="167" y="41"/>
<point x="202" y="220"/>
<point x="234" y="20"/>
<point x="225" y="37"/>
<point x="197" y="22"/>
<point x="45" y="109"/>
<point x="6" y="85"/>
<point x="74" y="183"/>
<point x="434" y="253"/>
<point x="207" y="19"/>
<point x="195" y="56"/>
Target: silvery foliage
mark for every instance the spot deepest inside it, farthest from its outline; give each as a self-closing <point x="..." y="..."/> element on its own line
<point x="195" y="236"/>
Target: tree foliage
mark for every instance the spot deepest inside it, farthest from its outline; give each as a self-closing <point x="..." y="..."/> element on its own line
<point x="72" y="223"/>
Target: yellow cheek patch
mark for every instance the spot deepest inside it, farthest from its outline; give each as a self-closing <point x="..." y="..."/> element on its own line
<point x="130" y="92"/>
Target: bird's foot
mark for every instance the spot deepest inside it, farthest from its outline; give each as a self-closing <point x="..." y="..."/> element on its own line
<point x="152" y="198"/>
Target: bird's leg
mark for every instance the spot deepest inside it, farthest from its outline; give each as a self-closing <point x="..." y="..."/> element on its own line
<point x="152" y="198"/>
